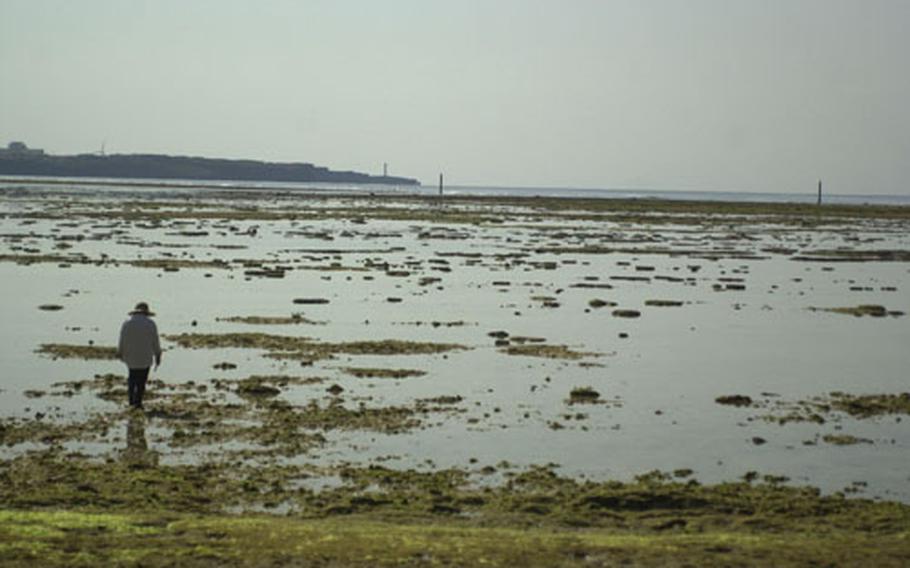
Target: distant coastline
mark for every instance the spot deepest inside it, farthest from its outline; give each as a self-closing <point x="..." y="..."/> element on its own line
<point x="19" y="160"/>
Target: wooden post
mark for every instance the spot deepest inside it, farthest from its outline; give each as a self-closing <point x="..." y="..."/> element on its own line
<point x="440" y="185"/>
<point x="819" y="192"/>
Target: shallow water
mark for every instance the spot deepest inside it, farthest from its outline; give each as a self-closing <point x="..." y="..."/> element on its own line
<point x="661" y="379"/>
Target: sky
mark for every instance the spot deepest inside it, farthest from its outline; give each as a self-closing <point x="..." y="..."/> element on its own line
<point x="718" y="95"/>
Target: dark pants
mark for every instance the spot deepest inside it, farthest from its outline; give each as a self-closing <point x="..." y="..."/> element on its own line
<point x="136" y="385"/>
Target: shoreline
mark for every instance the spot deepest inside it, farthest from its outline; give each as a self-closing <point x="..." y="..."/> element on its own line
<point x="405" y="193"/>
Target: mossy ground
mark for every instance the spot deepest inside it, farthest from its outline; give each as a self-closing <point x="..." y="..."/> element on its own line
<point x="91" y="539"/>
<point x="66" y="511"/>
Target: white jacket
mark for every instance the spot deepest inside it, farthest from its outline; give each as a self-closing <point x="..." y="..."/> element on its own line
<point x="139" y="346"/>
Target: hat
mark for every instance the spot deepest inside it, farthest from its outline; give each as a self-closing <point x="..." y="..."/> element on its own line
<point x="142" y="308"/>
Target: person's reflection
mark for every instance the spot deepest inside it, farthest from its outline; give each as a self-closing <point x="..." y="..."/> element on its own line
<point x="137" y="451"/>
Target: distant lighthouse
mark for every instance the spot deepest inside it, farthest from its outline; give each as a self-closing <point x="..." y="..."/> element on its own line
<point x="385" y="169"/>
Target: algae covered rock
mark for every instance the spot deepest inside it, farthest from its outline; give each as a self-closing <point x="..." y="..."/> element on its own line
<point x="626" y="313"/>
<point x="580" y="395"/>
<point x="65" y="351"/>
<point x="872" y="310"/>
<point x="734" y="400"/>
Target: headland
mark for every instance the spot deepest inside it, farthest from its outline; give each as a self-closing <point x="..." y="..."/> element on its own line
<point x="18" y="159"/>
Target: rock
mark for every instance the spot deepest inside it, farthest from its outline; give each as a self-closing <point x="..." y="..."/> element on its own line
<point x="258" y="390"/>
<point x="583" y="394"/>
<point x="734" y="400"/>
<point x="663" y="303"/>
<point x="626" y="313"/>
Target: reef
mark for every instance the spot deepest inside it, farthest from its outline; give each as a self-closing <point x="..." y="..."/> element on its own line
<point x="289" y="347"/>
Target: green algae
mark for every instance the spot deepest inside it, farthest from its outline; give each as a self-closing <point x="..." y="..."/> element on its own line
<point x="68" y="351"/>
<point x="257" y="389"/>
<point x="378" y="516"/>
<point x="664" y="303"/>
<point x="583" y="395"/>
<point x="27" y="259"/>
<point x="275" y="381"/>
<point x="821" y="409"/>
<point x="53" y="479"/>
<point x="851" y="255"/>
<point x="734" y="400"/>
<point x="239" y="340"/>
<point x="487" y="210"/>
<point x="335" y="415"/>
<point x="289" y="347"/>
<point x="176" y="264"/>
<point x="158" y="263"/>
<point x="626" y="313"/>
<point x="84" y="538"/>
<point x="547" y="351"/>
<point x="870" y="405"/>
<point x="444" y="399"/>
<point x="872" y="310"/>
<point x="293" y="319"/>
<point x="844" y="439"/>
<point x="196" y="415"/>
<point x="14" y="431"/>
<point x="375" y="373"/>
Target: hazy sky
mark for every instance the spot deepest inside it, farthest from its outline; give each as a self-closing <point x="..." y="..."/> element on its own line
<point x="761" y="95"/>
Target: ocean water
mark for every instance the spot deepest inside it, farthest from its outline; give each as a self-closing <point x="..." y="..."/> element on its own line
<point x="678" y="195"/>
<point x="661" y="371"/>
<point x="181" y="186"/>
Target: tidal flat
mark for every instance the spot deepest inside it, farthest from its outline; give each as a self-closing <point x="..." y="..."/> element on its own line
<point x="452" y="381"/>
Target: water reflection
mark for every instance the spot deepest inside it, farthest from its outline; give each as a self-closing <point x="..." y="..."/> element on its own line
<point x="137" y="451"/>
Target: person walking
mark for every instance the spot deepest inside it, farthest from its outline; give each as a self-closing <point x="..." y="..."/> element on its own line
<point x="138" y="348"/>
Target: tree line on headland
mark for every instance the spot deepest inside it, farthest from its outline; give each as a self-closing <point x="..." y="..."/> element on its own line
<point x="156" y="166"/>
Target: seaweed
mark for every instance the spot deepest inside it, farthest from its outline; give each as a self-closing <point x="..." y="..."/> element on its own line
<point x="872" y="310"/>
<point x="289" y="347"/>
<point x="546" y="351"/>
<point x="66" y="351"/>
<point x="374" y="373"/>
<point x="293" y="319"/>
<point x="583" y="395"/>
